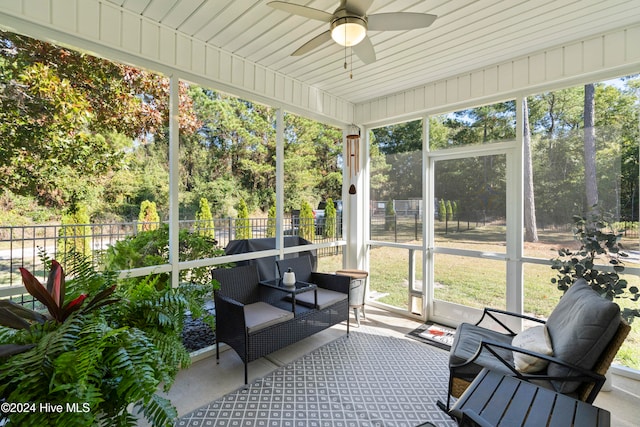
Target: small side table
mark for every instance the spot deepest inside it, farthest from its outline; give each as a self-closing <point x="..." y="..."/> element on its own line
<point x="298" y="288"/>
<point x="357" y="290"/>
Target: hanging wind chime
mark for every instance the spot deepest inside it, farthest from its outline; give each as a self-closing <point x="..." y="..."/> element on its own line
<point x="353" y="155"/>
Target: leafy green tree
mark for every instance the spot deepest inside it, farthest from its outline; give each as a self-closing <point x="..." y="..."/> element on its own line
<point x="204" y="220"/>
<point x="311" y="165"/>
<point x="243" y="226"/>
<point x="482" y="125"/>
<point x="330" y="219"/>
<point x="148" y="219"/>
<point x="307" y="227"/>
<point x="399" y="138"/>
<point x="60" y="110"/>
<point x="402" y="146"/>
<point x="235" y="142"/>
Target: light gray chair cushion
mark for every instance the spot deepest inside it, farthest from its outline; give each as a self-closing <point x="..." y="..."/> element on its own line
<point x="326" y="298"/>
<point x="467" y="342"/>
<point x="581" y="326"/>
<point x="260" y="315"/>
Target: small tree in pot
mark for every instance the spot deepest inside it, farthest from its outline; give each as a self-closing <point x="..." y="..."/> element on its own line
<point x="598" y="240"/>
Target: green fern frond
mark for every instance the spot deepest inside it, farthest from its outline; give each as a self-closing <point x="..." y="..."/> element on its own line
<point x="159" y="411"/>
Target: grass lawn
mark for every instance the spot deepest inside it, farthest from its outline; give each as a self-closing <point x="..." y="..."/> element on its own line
<point x="481" y="282"/>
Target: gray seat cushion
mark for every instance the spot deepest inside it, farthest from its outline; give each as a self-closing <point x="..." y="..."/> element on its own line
<point x="581" y="327"/>
<point x="260" y="315"/>
<point x="466" y="343"/>
<point x="326" y="298"/>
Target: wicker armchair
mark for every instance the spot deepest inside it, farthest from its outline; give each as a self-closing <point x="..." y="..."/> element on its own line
<point x="586" y="332"/>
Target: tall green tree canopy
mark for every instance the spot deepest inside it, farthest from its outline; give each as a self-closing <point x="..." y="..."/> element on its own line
<point x="60" y="110"/>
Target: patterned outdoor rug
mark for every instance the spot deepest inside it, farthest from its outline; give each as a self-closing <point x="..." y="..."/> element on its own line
<point x="434" y="334"/>
<point x="362" y="380"/>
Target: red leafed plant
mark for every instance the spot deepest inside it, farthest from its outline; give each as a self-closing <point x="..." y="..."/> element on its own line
<point x="52" y="296"/>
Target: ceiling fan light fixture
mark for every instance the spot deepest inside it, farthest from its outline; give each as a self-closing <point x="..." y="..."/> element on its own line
<point x="349" y="30"/>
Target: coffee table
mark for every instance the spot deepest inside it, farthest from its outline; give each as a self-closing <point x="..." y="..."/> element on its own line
<point x="498" y="399"/>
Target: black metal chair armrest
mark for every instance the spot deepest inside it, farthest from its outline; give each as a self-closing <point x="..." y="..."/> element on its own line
<point x="489" y="312"/>
<point x="332" y="282"/>
<point x="584" y="375"/>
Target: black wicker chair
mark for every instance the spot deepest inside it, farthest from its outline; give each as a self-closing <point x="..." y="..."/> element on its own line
<point x="256" y="320"/>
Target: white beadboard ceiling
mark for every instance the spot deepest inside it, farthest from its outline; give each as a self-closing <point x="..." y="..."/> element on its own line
<point x="467" y="35"/>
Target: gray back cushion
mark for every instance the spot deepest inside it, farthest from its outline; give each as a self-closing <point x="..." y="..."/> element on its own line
<point x="581" y="326"/>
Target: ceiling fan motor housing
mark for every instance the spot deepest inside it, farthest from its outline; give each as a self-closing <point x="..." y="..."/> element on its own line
<point x="348" y="30"/>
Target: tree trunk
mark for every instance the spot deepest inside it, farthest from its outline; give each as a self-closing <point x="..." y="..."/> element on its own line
<point x="530" y="227"/>
<point x="591" y="185"/>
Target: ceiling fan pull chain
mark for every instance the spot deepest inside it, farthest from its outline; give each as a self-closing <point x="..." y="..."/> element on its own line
<point x="345" y="48"/>
<point x="345" y="57"/>
<point x="351" y="71"/>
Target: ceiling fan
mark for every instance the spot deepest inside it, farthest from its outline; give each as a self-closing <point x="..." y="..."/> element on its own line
<point x="349" y="23"/>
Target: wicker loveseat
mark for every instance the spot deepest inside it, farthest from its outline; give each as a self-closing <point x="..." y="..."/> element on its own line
<point x="256" y="318"/>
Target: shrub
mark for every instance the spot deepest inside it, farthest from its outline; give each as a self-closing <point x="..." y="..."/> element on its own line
<point x="74" y="235"/>
<point x="148" y="217"/>
<point x="243" y="226"/>
<point x="449" y="210"/>
<point x="389" y="216"/>
<point x="271" y="222"/>
<point x="204" y="220"/>
<point x="307" y="227"/>
<point x="152" y="248"/>
<point x="330" y="219"/>
<point x="442" y="210"/>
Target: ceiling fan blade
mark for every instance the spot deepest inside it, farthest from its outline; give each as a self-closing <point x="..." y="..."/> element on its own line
<point x="297" y="9"/>
<point x="398" y="21"/>
<point x="315" y="42"/>
<point x="364" y="50"/>
<point x="359" y="6"/>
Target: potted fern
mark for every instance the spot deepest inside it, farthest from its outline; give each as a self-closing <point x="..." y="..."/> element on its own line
<point x="96" y="351"/>
<point x="598" y="240"/>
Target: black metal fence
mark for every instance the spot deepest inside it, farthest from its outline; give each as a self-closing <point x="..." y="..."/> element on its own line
<point x="21" y="246"/>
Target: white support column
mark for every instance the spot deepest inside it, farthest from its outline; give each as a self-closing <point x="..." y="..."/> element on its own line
<point x="428" y="210"/>
<point x="280" y="181"/>
<point x="174" y="168"/>
<point x="515" y="218"/>
<point x="355" y="206"/>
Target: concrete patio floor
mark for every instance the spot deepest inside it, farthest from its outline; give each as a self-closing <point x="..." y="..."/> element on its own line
<point x="205" y="380"/>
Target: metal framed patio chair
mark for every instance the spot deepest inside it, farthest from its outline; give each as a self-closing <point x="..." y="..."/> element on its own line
<point x="586" y="332"/>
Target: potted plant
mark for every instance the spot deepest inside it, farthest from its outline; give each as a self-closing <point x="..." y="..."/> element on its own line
<point x="98" y="350"/>
<point x="598" y="240"/>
